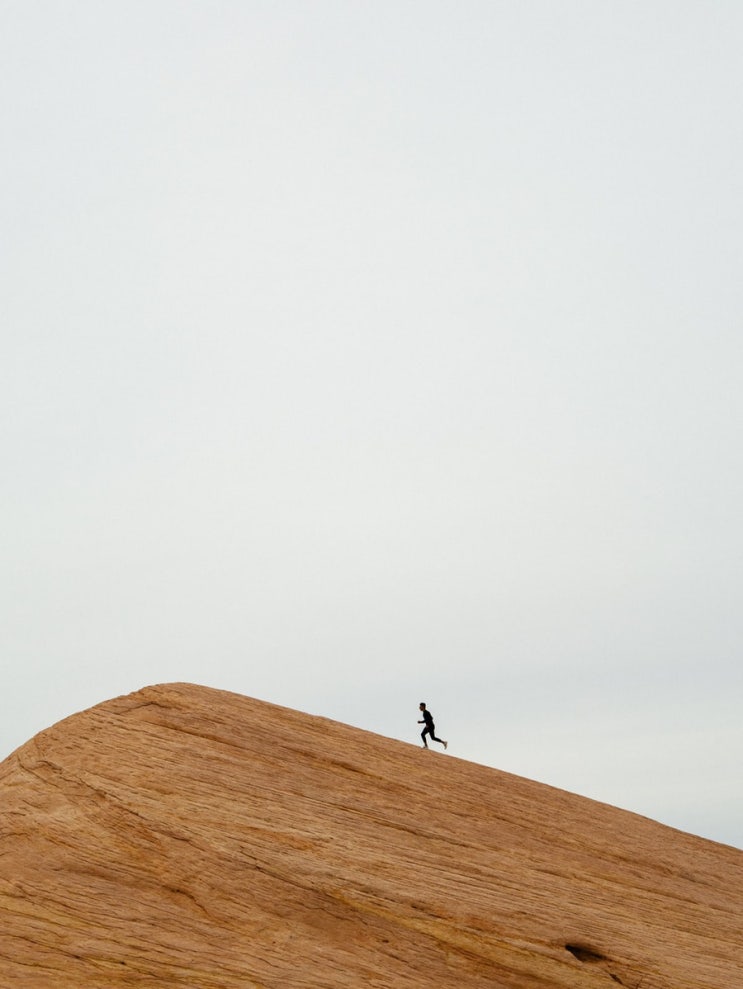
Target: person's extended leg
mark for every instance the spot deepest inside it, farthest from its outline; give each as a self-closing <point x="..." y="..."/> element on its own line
<point x="439" y="740"/>
<point x="425" y="732"/>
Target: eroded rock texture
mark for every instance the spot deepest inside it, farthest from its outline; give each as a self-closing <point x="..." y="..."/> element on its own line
<point x="187" y="837"/>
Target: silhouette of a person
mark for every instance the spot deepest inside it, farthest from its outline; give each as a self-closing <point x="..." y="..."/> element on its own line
<point x="430" y="728"/>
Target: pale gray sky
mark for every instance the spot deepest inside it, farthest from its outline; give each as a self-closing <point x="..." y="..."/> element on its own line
<point x="357" y="354"/>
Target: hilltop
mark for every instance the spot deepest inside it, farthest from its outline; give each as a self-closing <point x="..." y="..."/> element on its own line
<point x="193" y="838"/>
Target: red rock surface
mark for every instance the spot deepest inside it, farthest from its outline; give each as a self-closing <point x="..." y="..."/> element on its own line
<point x="194" y="838"/>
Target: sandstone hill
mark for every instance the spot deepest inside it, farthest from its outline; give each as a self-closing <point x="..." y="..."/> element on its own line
<point x="193" y="838"/>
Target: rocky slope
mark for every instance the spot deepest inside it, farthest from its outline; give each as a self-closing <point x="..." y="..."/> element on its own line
<point x="193" y="838"/>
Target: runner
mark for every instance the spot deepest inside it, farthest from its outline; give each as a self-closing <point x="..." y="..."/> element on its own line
<point x="430" y="728"/>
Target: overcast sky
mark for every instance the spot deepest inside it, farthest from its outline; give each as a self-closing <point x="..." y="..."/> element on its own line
<point x="357" y="354"/>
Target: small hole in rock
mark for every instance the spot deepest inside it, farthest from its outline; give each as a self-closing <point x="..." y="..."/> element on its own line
<point x="584" y="954"/>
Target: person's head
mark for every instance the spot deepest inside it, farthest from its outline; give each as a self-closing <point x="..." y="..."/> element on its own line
<point x="422" y="706"/>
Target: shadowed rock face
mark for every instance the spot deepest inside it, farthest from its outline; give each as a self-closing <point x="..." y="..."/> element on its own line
<point x="187" y="837"/>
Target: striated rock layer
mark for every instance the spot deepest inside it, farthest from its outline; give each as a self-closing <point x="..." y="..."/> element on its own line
<point x="187" y="837"/>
